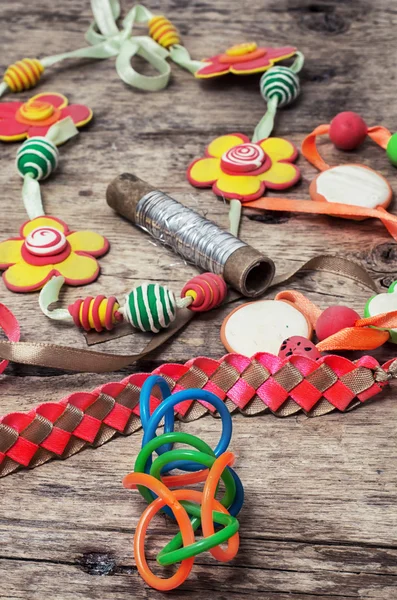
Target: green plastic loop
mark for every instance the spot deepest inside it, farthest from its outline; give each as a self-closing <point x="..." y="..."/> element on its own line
<point x="173" y="553"/>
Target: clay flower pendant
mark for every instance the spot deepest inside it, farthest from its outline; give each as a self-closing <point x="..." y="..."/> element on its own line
<point x="46" y="248"/>
<point x="243" y="59"/>
<point x="238" y="168"/>
<point x="20" y="120"/>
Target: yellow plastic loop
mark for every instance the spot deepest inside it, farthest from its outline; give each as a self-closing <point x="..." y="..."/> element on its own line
<point x="23" y="74"/>
<point x="162" y="31"/>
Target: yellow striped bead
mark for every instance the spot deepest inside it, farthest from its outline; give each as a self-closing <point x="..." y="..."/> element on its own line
<point x="23" y="74"/>
<point x="163" y="31"/>
<point x="97" y="313"/>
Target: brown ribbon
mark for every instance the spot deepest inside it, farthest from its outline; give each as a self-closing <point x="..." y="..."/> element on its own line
<point x="46" y="354"/>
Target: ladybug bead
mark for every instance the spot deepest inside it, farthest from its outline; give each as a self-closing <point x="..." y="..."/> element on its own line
<point x="298" y="344"/>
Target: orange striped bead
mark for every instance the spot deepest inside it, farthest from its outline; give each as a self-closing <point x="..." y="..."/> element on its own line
<point x="96" y="313"/>
<point x="23" y="74"/>
<point x="163" y="31"/>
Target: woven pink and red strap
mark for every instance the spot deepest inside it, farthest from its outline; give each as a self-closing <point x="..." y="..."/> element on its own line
<point x="264" y="383"/>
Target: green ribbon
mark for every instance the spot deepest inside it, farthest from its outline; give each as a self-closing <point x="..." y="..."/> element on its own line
<point x="107" y="41"/>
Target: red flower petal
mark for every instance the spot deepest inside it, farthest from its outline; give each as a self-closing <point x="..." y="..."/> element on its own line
<point x="37" y="130"/>
<point x="213" y="67"/>
<point x="279" y="52"/>
<point x="8" y="109"/>
<point x="78" y="112"/>
<point x="10" y="129"/>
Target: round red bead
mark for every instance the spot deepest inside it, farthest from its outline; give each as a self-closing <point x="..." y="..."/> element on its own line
<point x="347" y="130"/>
<point x="333" y="319"/>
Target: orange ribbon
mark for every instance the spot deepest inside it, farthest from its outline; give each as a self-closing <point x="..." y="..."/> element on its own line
<point x="326" y="208"/>
<point x="303" y="304"/>
<point x="378" y="134"/>
<point x="360" y="337"/>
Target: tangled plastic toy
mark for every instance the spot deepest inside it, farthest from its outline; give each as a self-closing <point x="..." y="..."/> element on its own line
<point x="190" y="508"/>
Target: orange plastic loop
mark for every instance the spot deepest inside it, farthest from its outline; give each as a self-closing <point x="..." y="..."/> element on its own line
<point x="165" y="497"/>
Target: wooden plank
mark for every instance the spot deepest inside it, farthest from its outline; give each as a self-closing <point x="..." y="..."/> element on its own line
<point x="319" y="519"/>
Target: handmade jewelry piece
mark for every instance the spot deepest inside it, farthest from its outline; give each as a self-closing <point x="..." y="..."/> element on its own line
<point x="20" y="120"/>
<point x="191" y="509"/>
<point x="46" y="246"/>
<point x="261" y="384"/>
<point x="238" y="168"/>
<point x="107" y="40"/>
<point x="260" y="326"/>
<point x="350" y="191"/>
<point x="148" y="307"/>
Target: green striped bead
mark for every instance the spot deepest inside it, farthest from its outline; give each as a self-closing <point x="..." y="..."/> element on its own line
<point x="150" y="307"/>
<point x="280" y="82"/>
<point x="37" y="157"/>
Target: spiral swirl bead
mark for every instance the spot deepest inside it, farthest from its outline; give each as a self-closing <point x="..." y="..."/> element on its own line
<point x="280" y="82"/>
<point x="23" y="74"/>
<point x="162" y="31"/>
<point x="207" y="290"/>
<point x="150" y="307"/>
<point x="97" y="313"/>
<point x="37" y="157"/>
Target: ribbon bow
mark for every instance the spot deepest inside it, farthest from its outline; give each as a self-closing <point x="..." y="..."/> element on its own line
<point x="107" y="41"/>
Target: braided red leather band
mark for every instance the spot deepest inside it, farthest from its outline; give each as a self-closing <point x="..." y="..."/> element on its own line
<point x="264" y="383"/>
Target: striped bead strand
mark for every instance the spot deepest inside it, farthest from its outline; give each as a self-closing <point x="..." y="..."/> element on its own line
<point x="37" y="158"/>
<point x="281" y="83"/>
<point x="23" y="74"/>
<point x="150" y="307"/>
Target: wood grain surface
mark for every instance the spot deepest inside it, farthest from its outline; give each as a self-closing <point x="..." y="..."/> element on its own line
<point x="320" y="517"/>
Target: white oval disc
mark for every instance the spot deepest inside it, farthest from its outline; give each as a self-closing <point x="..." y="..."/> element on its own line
<point x="354" y="185"/>
<point x="262" y="326"/>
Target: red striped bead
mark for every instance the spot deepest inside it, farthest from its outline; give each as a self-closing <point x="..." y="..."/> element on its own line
<point x="207" y="290"/>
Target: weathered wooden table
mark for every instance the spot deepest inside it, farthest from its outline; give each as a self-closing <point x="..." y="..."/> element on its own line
<point x="320" y="518"/>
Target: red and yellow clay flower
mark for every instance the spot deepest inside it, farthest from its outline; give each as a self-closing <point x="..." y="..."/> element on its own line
<point x="46" y="248"/>
<point x="243" y="59"/>
<point x="238" y="168"/>
<point x="20" y="120"/>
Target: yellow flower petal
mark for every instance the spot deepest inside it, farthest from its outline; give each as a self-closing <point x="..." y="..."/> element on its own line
<point x="10" y="252"/>
<point x="222" y="144"/>
<point x="204" y="171"/>
<point x="238" y="186"/>
<point x="280" y="174"/>
<point x="43" y="222"/>
<point x="88" y="241"/>
<point x="278" y="149"/>
<point x="23" y="277"/>
<point x="78" y="269"/>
